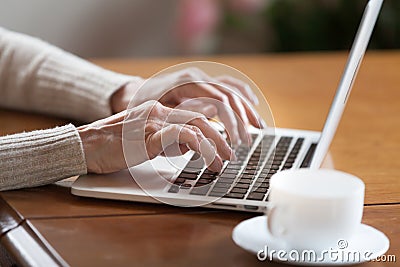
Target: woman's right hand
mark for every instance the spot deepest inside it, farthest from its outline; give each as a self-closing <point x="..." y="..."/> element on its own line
<point x="192" y="89"/>
<point x="147" y="131"/>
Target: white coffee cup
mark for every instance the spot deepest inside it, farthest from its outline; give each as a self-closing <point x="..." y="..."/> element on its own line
<point x="314" y="209"/>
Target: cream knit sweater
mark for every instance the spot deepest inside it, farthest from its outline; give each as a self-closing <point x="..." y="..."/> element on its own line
<point x="35" y="76"/>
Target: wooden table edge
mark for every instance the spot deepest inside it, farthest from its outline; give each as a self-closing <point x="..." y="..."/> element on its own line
<point x="27" y="247"/>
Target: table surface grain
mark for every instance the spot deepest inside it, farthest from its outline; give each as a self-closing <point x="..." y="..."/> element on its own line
<point x="299" y="88"/>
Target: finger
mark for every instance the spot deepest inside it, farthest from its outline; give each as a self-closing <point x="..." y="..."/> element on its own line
<point x="184" y="149"/>
<point x="242" y="119"/>
<point x="206" y="149"/>
<point x="243" y="87"/>
<point x="191" y="137"/>
<point x="210" y="94"/>
<point x="239" y="104"/>
<point x="175" y="150"/>
<point x="177" y="116"/>
<point x="249" y="115"/>
<point x="226" y="114"/>
<point x="195" y="105"/>
<point x="252" y="116"/>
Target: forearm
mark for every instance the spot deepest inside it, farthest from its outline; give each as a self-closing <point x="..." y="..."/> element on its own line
<point x="36" y="76"/>
<point x="40" y="157"/>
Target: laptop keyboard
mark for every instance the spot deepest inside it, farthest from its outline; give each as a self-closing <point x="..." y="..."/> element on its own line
<point x="246" y="178"/>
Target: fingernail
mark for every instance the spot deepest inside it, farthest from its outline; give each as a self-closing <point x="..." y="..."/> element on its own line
<point x="233" y="156"/>
<point x="263" y="123"/>
<point x="253" y="96"/>
<point x="249" y="139"/>
<point x="237" y="143"/>
<point x="255" y="100"/>
<point x="216" y="165"/>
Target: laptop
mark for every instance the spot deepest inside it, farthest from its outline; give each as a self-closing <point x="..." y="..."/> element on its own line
<point x="242" y="184"/>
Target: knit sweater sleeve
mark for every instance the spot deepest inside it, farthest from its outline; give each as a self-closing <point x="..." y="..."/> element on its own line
<point x="40" y="157"/>
<point x="36" y="76"/>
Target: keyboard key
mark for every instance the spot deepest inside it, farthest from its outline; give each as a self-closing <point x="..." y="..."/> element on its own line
<point x="204" y="181"/>
<point x="186" y="186"/>
<point x="179" y="181"/>
<point x="242" y="185"/>
<point x="277" y="160"/>
<point x="261" y="181"/>
<point x="239" y="190"/>
<point x="290" y="160"/>
<point x="217" y="194"/>
<point x="256" y="196"/>
<point x="207" y="171"/>
<point x="173" y="189"/>
<point x="257" y="183"/>
<point x="288" y="165"/>
<point x="222" y="185"/>
<point x="235" y="195"/>
<point x="264" y="175"/>
<point x="238" y="162"/>
<point x="260" y="190"/>
<point x="228" y="175"/>
<point x="208" y="176"/>
<point x="233" y="167"/>
<point x="253" y="163"/>
<point x="245" y="181"/>
<point x="188" y="175"/>
<point x="220" y="190"/>
<point x="252" y="167"/>
<point x="201" y="191"/>
<point x="247" y="176"/>
<point x="252" y="172"/>
<point x="275" y="167"/>
<point x="231" y="171"/>
<point x="225" y="180"/>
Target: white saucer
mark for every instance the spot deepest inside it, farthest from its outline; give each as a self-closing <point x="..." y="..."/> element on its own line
<point x="252" y="235"/>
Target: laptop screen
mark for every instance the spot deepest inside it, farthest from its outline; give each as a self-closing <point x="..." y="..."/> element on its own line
<point x="353" y="63"/>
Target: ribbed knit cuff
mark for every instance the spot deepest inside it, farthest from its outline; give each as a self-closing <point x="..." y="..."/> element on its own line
<point x="40" y="157"/>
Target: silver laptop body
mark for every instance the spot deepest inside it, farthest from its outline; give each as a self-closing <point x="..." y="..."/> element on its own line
<point x="244" y="184"/>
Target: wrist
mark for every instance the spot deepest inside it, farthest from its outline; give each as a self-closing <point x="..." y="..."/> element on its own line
<point x="87" y="139"/>
<point x="121" y="98"/>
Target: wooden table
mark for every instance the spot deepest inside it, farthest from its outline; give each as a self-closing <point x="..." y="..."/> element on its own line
<point x="53" y="226"/>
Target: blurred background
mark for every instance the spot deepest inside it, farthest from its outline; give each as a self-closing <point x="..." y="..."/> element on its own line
<point x="150" y="28"/>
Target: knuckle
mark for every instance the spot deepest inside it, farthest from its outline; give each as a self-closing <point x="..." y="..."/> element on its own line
<point x="190" y="132"/>
<point x="175" y="129"/>
<point x="195" y="129"/>
<point x="227" y="78"/>
<point x="150" y="127"/>
<point x="224" y="98"/>
<point x="157" y="109"/>
<point x="193" y="70"/>
<point x="202" y="118"/>
<point x="194" y="73"/>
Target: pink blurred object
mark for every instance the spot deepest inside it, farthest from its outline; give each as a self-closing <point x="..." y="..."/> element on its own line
<point x="247" y="6"/>
<point x="197" y="20"/>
